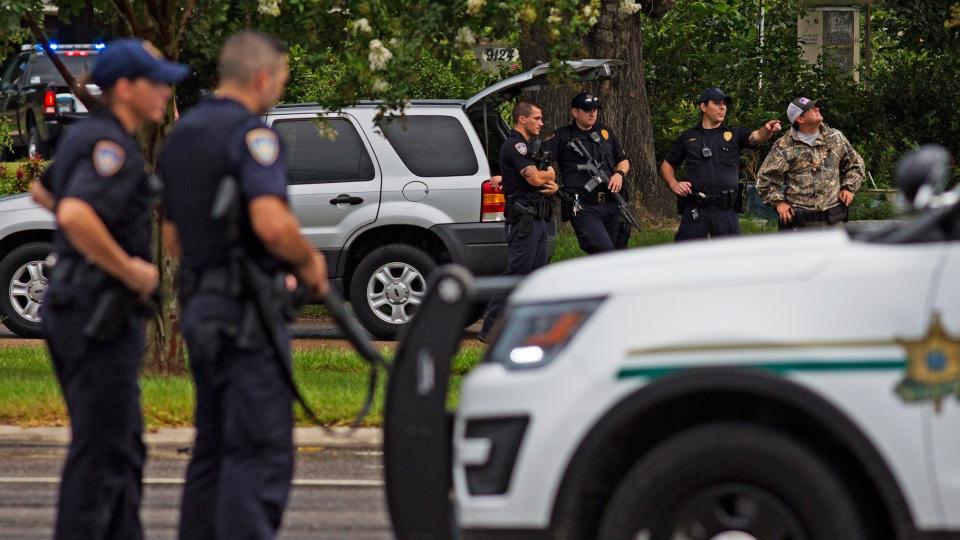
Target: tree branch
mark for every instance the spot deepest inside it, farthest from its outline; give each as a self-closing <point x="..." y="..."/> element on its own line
<point x="182" y="26"/>
<point x="125" y="10"/>
<point x="78" y="90"/>
<point x="154" y="18"/>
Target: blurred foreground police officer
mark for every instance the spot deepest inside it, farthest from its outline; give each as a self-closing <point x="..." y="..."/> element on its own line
<point x="239" y="475"/>
<point x="527" y="189"/>
<point x="594" y="216"/>
<point x="709" y="196"/>
<point x="93" y="314"/>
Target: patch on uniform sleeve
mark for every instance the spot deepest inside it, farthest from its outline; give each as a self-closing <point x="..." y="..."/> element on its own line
<point x="605" y="134"/>
<point x="728" y="136"/>
<point x="521" y="147"/>
<point x="108" y="158"/>
<point x="263" y="146"/>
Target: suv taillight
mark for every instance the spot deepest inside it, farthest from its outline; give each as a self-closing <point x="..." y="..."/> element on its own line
<point x="494" y="203"/>
<point x="50" y="102"/>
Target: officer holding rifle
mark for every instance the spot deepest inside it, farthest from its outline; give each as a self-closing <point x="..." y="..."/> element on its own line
<point x="227" y="216"/>
<point x="527" y="186"/>
<point x="601" y="224"/>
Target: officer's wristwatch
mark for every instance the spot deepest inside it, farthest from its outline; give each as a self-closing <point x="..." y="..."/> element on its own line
<point x="623" y="175"/>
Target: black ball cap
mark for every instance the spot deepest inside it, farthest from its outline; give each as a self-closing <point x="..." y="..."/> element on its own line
<point x="585" y="101"/>
<point x="715" y="94"/>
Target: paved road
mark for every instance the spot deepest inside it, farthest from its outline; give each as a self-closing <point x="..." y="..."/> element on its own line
<point x="338" y="492"/>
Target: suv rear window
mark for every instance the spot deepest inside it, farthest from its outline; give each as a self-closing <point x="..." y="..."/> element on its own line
<point x="432" y="145"/>
<point x="315" y="159"/>
<point x="42" y="70"/>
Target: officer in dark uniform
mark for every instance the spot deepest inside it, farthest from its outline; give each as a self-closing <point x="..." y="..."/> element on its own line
<point x="527" y="189"/>
<point x="709" y="198"/>
<point x="93" y="314"/>
<point x="594" y="216"/>
<point x="240" y="472"/>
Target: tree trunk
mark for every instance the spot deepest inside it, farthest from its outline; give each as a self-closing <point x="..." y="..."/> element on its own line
<point x="166" y="353"/>
<point x="625" y="105"/>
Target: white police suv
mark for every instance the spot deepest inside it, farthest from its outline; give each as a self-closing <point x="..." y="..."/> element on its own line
<point x="798" y="386"/>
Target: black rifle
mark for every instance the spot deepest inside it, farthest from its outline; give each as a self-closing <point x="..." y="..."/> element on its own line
<point x="597" y="177"/>
<point x="541" y="156"/>
<point x="276" y="306"/>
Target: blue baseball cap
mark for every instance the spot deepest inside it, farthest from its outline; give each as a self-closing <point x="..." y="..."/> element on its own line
<point x="714" y="94"/>
<point x="131" y="58"/>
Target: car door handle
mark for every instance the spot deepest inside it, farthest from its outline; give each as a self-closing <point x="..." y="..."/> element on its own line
<point x="346" y="199"/>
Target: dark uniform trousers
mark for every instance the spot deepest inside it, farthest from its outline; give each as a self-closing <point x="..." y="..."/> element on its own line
<point x="239" y="476"/>
<point x="597" y="227"/>
<point x="524" y="255"/>
<point x="100" y="490"/>
<point x="712" y="221"/>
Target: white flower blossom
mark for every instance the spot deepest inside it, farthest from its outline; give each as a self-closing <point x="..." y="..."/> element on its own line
<point x="474" y="6"/>
<point x="587" y="10"/>
<point x="360" y="26"/>
<point x="379" y="55"/>
<point x="554" y="18"/>
<point x="269" y="7"/>
<point x="466" y="37"/>
<point x="629" y="7"/>
<point x="380" y="85"/>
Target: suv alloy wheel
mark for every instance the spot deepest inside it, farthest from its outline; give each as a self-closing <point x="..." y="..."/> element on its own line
<point x="388" y="286"/>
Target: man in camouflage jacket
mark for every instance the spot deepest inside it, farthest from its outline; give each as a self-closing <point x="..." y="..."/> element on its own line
<point x="812" y="173"/>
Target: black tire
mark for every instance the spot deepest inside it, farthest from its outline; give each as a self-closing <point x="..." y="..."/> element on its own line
<point x="23" y="283"/>
<point x="731" y="477"/>
<point x="385" y="309"/>
<point x="35" y="143"/>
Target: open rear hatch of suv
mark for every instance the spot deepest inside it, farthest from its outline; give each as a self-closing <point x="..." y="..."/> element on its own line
<point x="482" y="107"/>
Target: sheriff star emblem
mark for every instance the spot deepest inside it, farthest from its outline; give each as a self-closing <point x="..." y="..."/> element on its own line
<point x="108" y="158"/>
<point x="521" y="147"/>
<point x="728" y="136"/>
<point x="263" y="145"/>
<point x="933" y="366"/>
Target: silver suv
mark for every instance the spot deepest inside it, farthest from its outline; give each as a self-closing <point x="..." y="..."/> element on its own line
<point x="385" y="204"/>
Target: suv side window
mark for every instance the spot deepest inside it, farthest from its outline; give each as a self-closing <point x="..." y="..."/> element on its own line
<point x="13" y="70"/>
<point x="315" y="159"/>
<point x="432" y="145"/>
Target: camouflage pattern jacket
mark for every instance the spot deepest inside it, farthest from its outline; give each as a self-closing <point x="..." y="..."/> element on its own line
<point x="810" y="177"/>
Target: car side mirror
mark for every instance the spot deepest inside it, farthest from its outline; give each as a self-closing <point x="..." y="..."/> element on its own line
<point x="922" y="174"/>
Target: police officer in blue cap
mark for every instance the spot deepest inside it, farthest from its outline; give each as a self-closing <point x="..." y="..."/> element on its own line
<point x="709" y="196"/>
<point x="594" y="214"/>
<point x="93" y="314"/>
<point x="240" y="473"/>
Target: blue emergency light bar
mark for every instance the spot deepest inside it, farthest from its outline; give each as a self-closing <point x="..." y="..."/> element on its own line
<point x="70" y="47"/>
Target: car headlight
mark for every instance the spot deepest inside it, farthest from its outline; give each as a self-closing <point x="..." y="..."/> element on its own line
<point x="533" y="334"/>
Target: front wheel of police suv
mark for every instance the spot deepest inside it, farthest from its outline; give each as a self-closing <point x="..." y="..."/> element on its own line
<point x="731" y="481"/>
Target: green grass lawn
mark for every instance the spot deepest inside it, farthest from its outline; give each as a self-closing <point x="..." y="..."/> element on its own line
<point x="567" y="247"/>
<point x="332" y="379"/>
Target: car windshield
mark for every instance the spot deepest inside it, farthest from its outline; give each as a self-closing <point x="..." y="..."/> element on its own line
<point x="42" y="70"/>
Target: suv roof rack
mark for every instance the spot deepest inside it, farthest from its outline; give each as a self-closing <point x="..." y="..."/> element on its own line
<point x="372" y="103"/>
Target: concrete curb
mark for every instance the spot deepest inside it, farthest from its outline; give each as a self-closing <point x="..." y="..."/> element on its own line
<point x="308" y="436"/>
